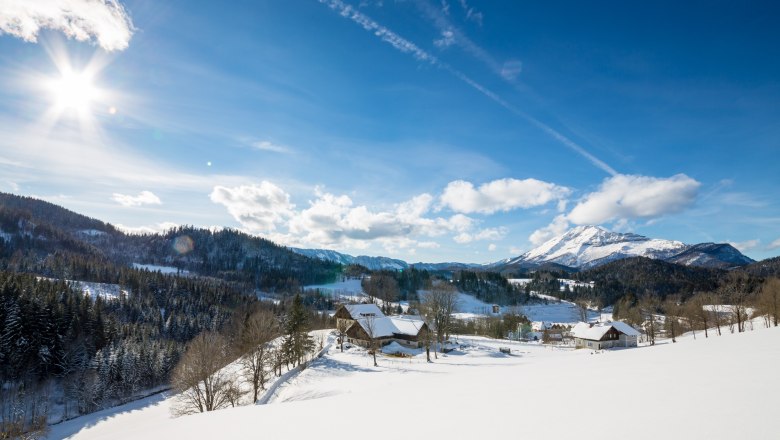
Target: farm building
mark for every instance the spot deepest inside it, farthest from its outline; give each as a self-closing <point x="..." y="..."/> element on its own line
<point x="604" y="335"/>
<point x="347" y="314"/>
<point x="408" y="331"/>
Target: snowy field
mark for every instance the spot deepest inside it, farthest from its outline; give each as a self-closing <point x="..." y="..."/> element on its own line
<point x="548" y="309"/>
<point x="167" y="270"/>
<point x="478" y="392"/>
<point x="94" y="290"/>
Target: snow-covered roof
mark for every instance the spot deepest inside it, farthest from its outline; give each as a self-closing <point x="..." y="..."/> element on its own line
<point x="392" y="325"/>
<point x="407" y="325"/>
<point x="358" y="310"/>
<point x="595" y="332"/>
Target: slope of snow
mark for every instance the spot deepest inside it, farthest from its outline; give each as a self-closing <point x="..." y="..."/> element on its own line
<point x="161" y="269"/>
<point x="549" y="309"/>
<point x="478" y="392"/>
<point x="94" y="290"/>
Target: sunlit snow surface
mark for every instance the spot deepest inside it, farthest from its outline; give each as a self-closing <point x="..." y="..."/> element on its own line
<point x="666" y="391"/>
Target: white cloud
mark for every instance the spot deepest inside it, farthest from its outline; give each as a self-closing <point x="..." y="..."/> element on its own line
<point x="511" y="69"/>
<point x="257" y="207"/>
<point x="335" y="221"/>
<point x="514" y="250"/>
<point x="484" y="234"/>
<point x="500" y="195"/>
<point x="633" y="197"/>
<point x="104" y="22"/>
<point x="492" y="247"/>
<point x="447" y="39"/>
<point x="148" y="229"/>
<point x="744" y="246"/>
<point x="774" y="245"/>
<point x="143" y="198"/>
<point x="268" y="146"/>
<point x="558" y="226"/>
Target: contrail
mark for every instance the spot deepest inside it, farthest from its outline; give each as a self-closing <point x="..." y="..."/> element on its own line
<point x="406" y="46"/>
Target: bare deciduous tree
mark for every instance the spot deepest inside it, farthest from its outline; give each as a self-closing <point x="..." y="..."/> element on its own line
<point x="648" y="306"/>
<point x="381" y="286"/>
<point x="369" y="325"/>
<point x="438" y="305"/>
<point x="342" y="325"/>
<point x="671" y="307"/>
<point x="199" y="379"/>
<point x="259" y="330"/>
<point x="769" y="300"/>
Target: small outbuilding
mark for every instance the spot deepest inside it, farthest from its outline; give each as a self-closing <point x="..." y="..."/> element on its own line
<point x="597" y="336"/>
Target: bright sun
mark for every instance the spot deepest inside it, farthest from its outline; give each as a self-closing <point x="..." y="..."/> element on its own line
<point x="74" y="90"/>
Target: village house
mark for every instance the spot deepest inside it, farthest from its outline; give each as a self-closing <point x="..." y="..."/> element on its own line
<point x="347" y="314"/>
<point x="602" y="335"/>
<point x="365" y="320"/>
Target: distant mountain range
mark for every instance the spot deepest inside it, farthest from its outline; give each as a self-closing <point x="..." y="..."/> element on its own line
<point x="585" y="247"/>
<point x="380" y="263"/>
<point x="580" y="248"/>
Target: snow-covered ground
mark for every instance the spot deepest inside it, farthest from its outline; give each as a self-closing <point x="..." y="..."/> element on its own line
<point x="564" y="282"/>
<point x="162" y="269"/>
<point x="94" y="290"/>
<point x="725" y="391"/>
<point x="349" y="289"/>
<point x="549" y="309"/>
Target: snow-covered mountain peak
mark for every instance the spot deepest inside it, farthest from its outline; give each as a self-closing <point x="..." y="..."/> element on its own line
<point x="585" y="246"/>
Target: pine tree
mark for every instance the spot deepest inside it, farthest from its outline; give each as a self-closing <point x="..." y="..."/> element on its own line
<point x="297" y="341"/>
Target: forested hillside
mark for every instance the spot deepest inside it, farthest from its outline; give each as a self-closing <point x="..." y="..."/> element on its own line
<point x="81" y="350"/>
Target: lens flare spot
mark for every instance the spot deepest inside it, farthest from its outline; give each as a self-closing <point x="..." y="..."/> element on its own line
<point x="183" y="244"/>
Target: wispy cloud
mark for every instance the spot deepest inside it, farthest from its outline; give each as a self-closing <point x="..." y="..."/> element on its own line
<point x="511" y="69"/>
<point x="269" y="146"/>
<point x="104" y="22"/>
<point x="471" y="13"/>
<point x="407" y="46"/>
<point x="143" y="198"/>
<point x="383" y="33"/>
<point x="744" y="246"/>
<point x="447" y="39"/>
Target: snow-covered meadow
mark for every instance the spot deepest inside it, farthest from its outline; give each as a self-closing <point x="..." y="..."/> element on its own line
<point x="715" y="388"/>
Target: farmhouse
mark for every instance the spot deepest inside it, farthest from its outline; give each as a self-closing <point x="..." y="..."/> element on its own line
<point x="604" y="335"/>
<point x="407" y="331"/>
<point x="348" y="313"/>
<point x="364" y="321"/>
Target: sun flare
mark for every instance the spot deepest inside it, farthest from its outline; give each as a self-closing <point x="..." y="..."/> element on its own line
<point x="74" y="90"/>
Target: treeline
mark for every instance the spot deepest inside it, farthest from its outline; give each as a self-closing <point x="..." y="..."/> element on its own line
<point x="490" y="287"/>
<point x="731" y="307"/>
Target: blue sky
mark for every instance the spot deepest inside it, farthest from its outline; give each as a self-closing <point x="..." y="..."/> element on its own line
<point x="425" y="130"/>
